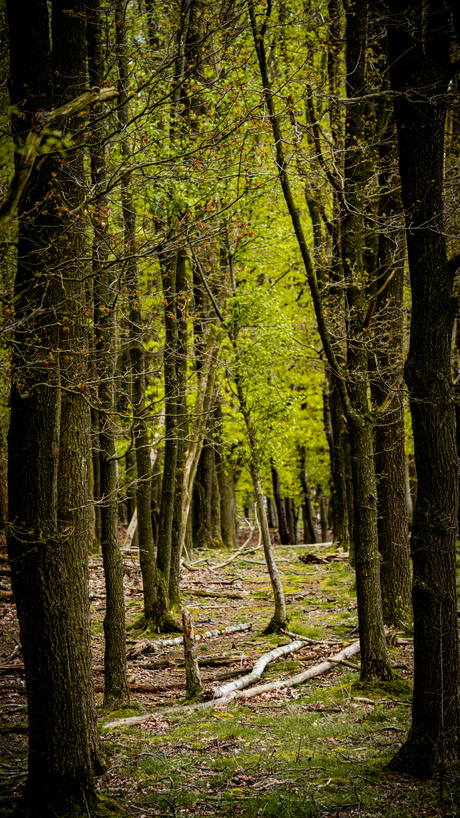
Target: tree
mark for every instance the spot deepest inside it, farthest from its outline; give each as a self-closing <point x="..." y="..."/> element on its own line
<point x="352" y="383"/>
<point x="420" y="72"/>
<point x="116" y="691"/>
<point x="48" y="446"/>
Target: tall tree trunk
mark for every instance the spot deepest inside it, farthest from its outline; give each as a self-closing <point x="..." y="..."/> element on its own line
<point x="168" y="270"/>
<point x="116" y="691"/>
<point x="271" y="513"/>
<point x="47" y="540"/>
<point x="420" y="70"/>
<point x="131" y="501"/>
<point x="321" y="500"/>
<point x="226" y="472"/>
<point x="357" y="171"/>
<point x="68" y="35"/>
<point x="203" y="508"/>
<point x="136" y="348"/>
<point x="390" y="457"/>
<point x="353" y="387"/>
<point x="182" y="425"/>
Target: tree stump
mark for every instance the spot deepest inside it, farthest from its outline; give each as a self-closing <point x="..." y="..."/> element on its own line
<point x="192" y="671"/>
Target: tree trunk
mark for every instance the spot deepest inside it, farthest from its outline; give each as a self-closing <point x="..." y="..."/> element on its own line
<point x="280" y="507"/>
<point x="226" y="472"/>
<point x="335" y="429"/>
<point x="291" y="519"/>
<point x="203" y="499"/>
<point x="309" y="514"/>
<point x="168" y="269"/>
<point x="192" y="671"/>
<point x="271" y="512"/>
<point x="419" y="59"/>
<point x="96" y="477"/>
<point x="181" y="428"/>
<point x="353" y="382"/>
<point x="322" y="502"/>
<point x="136" y="347"/>
<point x="279" y="617"/>
<point x="48" y="486"/>
<point x="116" y="691"/>
<point x="390" y="457"/>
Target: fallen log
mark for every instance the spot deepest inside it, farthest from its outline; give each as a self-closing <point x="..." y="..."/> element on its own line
<point x="307" y="639"/>
<point x="316" y="670"/>
<point x="216" y="594"/>
<point x="146" y="644"/>
<point x="129" y="722"/>
<point x="258" y="668"/>
<point x="210" y="661"/>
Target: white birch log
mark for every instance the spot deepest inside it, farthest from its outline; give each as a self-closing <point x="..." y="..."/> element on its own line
<point x="316" y="670"/>
<point x="146" y="644"/>
<point x="258" y="669"/>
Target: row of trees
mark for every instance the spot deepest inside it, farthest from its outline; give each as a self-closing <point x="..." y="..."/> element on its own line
<point x="205" y="283"/>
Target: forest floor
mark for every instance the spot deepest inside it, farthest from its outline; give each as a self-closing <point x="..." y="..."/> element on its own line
<point x="316" y="749"/>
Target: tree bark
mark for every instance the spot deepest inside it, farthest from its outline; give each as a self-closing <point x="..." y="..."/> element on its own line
<point x="48" y="486"/>
<point x="116" y="692"/>
<point x="420" y="68"/>
<point x="357" y="170"/>
<point x="390" y="457"/>
<point x="335" y="429"/>
<point x="352" y="384"/>
<point x="136" y="346"/>
<point x="291" y="519"/>
<point x="96" y="477"/>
